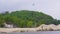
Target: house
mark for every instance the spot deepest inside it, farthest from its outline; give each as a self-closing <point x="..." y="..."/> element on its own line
<point x="8" y="25"/>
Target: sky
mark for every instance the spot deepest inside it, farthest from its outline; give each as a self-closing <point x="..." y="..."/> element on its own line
<point x="50" y="7"/>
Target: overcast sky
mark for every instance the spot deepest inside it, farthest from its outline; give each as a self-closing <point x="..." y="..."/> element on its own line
<point x="50" y="7"/>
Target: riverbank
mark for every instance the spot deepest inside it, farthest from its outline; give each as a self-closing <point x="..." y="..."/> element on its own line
<point x="8" y="30"/>
<point x="42" y="27"/>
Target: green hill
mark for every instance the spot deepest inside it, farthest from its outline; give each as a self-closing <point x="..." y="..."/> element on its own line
<point x="26" y="18"/>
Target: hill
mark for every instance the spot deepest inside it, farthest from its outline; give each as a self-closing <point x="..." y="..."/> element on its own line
<point x="26" y="18"/>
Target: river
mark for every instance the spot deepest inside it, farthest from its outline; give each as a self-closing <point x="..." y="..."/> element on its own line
<point x="41" y="32"/>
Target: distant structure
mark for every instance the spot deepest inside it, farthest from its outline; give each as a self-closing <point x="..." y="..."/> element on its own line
<point x="8" y="25"/>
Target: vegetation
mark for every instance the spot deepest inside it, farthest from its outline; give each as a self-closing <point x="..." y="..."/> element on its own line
<point x="25" y="18"/>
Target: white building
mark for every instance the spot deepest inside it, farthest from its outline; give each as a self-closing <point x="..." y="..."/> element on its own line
<point x="8" y="25"/>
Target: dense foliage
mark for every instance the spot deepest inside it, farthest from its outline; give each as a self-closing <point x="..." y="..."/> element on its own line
<point x="25" y="18"/>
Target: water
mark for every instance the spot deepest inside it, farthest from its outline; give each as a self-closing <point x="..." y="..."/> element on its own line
<point x="41" y="32"/>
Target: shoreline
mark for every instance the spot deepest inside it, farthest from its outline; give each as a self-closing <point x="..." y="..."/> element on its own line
<point x="8" y="30"/>
<point x="42" y="27"/>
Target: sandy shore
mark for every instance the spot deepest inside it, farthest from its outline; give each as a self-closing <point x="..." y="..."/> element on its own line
<point x="7" y="30"/>
<point x="42" y="27"/>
